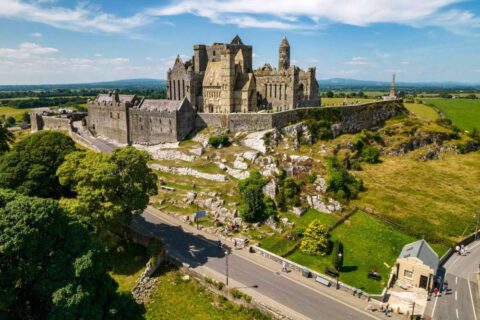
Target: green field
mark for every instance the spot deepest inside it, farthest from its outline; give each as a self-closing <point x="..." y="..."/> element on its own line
<point x="13" y="112"/>
<point x="436" y="199"/>
<point x="464" y="113"/>
<point x="422" y="111"/>
<point x="369" y="244"/>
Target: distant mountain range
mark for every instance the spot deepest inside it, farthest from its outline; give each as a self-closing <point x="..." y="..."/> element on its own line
<point x="330" y="84"/>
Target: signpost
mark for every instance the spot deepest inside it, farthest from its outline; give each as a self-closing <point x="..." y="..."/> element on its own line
<point x="199" y="215"/>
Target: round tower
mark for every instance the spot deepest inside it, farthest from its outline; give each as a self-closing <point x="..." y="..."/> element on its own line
<point x="284" y="55"/>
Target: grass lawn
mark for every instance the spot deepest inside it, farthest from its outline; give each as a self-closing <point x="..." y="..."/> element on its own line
<point x="279" y="244"/>
<point x="13" y="112"/>
<point x="175" y="299"/>
<point x="435" y="199"/>
<point x="127" y="265"/>
<point x="464" y="113"/>
<point x="422" y="111"/>
<point x="368" y="244"/>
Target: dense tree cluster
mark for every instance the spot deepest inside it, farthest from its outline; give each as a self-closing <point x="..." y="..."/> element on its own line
<point x="6" y="138"/>
<point x="107" y="188"/>
<point x="30" y="167"/>
<point x="49" y="267"/>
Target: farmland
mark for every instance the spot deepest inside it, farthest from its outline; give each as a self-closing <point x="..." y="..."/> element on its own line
<point x="465" y="113"/>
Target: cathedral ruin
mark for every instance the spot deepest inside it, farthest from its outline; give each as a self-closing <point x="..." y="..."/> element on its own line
<point x="220" y="79"/>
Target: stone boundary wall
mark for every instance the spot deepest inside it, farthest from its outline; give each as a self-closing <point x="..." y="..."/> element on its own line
<point x="345" y="119"/>
<point x="300" y="268"/>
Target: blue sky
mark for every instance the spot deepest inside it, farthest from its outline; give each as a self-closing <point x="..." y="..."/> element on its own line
<point x="65" y="41"/>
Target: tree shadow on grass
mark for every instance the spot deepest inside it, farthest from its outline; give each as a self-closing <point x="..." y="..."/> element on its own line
<point x="128" y="259"/>
<point x="349" y="268"/>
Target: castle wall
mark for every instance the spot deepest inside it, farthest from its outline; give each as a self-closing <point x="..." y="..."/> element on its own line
<point x="55" y="123"/>
<point x="152" y="127"/>
<point x="185" y="121"/>
<point x="109" y="120"/>
<point x="345" y="119"/>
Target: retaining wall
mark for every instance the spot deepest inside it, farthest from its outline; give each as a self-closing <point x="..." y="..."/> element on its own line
<point x="345" y="119"/>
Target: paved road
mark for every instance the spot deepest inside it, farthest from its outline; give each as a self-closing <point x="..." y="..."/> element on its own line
<point x="462" y="301"/>
<point x="197" y="251"/>
<point x="101" y="145"/>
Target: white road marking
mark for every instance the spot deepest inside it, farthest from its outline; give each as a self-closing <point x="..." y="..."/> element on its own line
<point x="434" y="305"/>
<point x="455" y="295"/>
<point x="456" y="310"/>
<point x="471" y="297"/>
<point x="456" y="280"/>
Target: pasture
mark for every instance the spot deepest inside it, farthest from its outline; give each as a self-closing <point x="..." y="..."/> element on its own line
<point x="465" y="113"/>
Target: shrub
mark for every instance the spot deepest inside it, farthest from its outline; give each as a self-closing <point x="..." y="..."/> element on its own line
<point x="311" y="178"/>
<point x="237" y="294"/>
<point x="255" y="206"/>
<point x="216" y="141"/>
<point x="340" y="183"/>
<point x="315" y="239"/>
<point x="337" y="255"/>
<point x="370" y="154"/>
<point x="220" y="285"/>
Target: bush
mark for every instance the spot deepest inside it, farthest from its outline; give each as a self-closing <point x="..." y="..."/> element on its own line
<point x="315" y="239"/>
<point x="370" y="154"/>
<point x="255" y="206"/>
<point x="320" y="129"/>
<point x="337" y="255"/>
<point x="216" y="141"/>
<point x="237" y="294"/>
<point x="311" y="178"/>
<point x="340" y="183"/>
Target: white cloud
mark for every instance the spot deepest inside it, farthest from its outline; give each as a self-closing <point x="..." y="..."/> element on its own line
<point x="84" y="17"/>
<point x="25" y="51"/>
<point x="360" y="61"/>
<point x="382" y="55"/>
<point x="308" y="14"/>
<point x="36" y="35"/>
<point x="404" y="62"/>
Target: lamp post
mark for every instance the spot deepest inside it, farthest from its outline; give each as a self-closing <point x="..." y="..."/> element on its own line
<point x="338" y="275"/>
<point x="226" y="264"/>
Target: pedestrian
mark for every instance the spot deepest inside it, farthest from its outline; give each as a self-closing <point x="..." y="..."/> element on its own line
<point x="369" y="306"/>
<point x="462" y="249"/>
<point x="445" y="286"/>
<point x="457" y="249"/>
<point x="435" y="291"/>
<point x="235" y="243"/>
<point x="284" y="266"/>
<point x="219" y="244"/>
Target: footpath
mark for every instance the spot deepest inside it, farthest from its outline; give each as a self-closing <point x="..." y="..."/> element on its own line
<point x="336" y="296"/>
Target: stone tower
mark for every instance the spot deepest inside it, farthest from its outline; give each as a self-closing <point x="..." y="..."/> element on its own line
<point x="284" y="55"/>
<point x="392" y="87"/>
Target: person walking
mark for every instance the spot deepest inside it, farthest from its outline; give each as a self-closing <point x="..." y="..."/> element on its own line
<point x="284" y="266"/>
<point x="445" y="286"/>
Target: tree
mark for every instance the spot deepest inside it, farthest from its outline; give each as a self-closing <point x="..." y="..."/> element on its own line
<point x="6" y="138"/>
<point x="10" y="122"/>
<point x="30" y="166"/>
<point x="340" y="183"/>
<point x="330" y="94"/>
<point x="337" y="255"/>
<point x="253" y="207"/>
<point x="108" y="188"/>
<point x="49" y="267"/>
<point x="315" y="239"/>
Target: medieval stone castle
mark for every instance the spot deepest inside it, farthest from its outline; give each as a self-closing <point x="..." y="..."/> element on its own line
<point x="220" y="79"/>
<point x="213" y="87"/>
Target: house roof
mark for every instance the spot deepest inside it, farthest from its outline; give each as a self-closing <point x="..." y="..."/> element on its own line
<point x="160" y="105"/>
<point x="421" y="249"/>
<point x="110" y="97"/>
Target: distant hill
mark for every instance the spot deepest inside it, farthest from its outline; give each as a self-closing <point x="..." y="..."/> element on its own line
<point x="118" y="84"/>
<point x="330" y="84"/>
<point x="341" y="83"/>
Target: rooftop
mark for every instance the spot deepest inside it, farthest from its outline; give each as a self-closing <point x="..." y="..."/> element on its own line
<point x="160" y="105"/>
<point x="421" y="249"/>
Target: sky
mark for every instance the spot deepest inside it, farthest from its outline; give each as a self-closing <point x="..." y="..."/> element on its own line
<point x="69" y="41"/>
